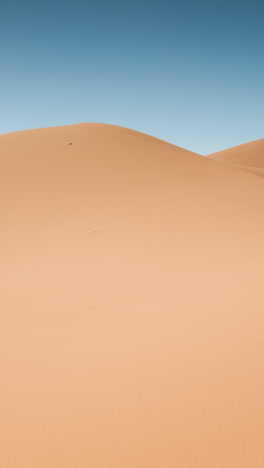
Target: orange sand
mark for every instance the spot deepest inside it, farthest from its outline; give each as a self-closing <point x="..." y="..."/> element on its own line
<point x="132" y="305"/>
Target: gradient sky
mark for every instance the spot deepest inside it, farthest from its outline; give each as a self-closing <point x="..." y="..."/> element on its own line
<point x="189" y="72"/>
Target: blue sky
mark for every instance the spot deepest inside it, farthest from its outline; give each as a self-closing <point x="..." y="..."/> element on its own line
<point x="189" y="72"/>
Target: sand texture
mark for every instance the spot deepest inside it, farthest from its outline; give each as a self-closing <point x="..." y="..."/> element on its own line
<point x="132" y="304"/>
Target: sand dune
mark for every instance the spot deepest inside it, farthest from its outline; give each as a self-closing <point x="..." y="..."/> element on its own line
<point x="248" y="157"/>
<point x="131" y="303"/>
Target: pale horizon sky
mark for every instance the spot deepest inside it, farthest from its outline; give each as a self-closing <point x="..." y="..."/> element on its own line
<point x="190" y="73"/>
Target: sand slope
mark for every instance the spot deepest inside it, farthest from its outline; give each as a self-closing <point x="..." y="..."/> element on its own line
<point x="248" y="157"/>
<point x="131" y="304"/>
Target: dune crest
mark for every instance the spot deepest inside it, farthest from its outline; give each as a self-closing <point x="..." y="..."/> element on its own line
<point x="131" y="303"/>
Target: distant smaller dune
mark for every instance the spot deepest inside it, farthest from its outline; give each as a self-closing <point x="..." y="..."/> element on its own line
<point x="248" y="157"/>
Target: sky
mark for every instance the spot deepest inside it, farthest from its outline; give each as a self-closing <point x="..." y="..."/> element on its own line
<point x="188" y="72"/>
